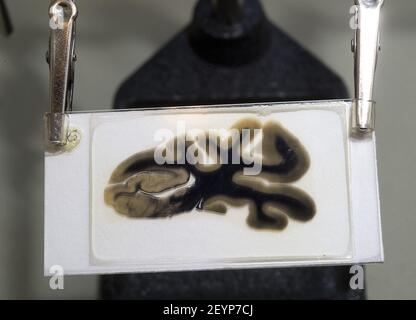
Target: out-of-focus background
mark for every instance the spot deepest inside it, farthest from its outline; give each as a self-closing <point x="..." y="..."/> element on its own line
<point x="114" y="38"/>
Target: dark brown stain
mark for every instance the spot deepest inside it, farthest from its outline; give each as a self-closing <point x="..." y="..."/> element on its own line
<point x="140" y="188"/>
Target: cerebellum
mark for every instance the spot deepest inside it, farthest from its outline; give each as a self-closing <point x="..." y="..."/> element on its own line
<point x="141" y="188"/>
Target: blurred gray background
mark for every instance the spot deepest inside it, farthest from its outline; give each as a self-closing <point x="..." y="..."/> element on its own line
<point x="114" y="38"/>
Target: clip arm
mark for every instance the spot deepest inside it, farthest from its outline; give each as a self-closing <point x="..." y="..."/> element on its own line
<point x="61" y="58"/>
<point x="365" y="47"/>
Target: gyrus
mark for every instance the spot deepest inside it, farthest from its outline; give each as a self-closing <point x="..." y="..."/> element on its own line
<point x="141" y="188"/>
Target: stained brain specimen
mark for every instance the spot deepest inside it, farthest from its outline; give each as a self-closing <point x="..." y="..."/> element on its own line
<point x="139" y="187"/>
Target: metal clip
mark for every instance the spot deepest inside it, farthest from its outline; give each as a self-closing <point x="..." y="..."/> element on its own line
<point x="61" y="59"/>
<point x="365" y="47"/>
